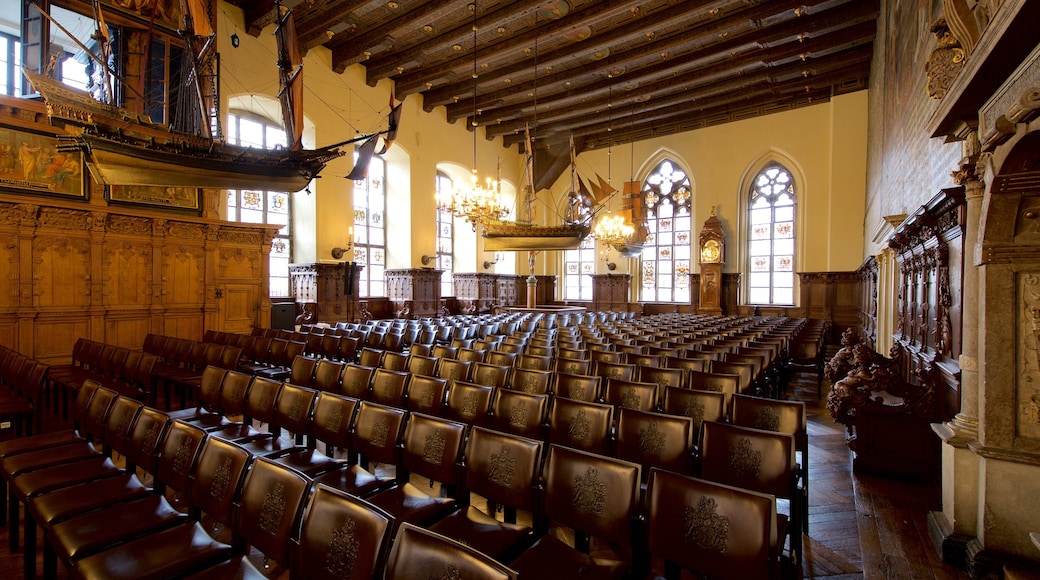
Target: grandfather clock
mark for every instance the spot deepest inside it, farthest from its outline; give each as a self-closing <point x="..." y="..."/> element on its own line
<point x="711" y="253"/>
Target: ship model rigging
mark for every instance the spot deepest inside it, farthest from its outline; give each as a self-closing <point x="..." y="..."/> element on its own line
<point x="123" y="147"/>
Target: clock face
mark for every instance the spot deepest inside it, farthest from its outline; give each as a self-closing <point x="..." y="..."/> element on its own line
<point x="711" y="251"/>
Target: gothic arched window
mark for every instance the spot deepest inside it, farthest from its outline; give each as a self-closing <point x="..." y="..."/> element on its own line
<point x="665" y="275"/>
<point x="771" y="213"/>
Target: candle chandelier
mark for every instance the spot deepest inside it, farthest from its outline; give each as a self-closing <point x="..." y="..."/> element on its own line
<point x="480" y="203"/>
<point x="613" y="230"/>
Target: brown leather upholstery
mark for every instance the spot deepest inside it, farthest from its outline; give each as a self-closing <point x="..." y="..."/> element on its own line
<point x="421" y="365"/>
<point x="292" y="412"/>
<point x="607" y="356"/>
<point x="471" y="354"/>
<point x="662" y="376"/>
<point x="217" y="478"/>
<point x="578" y="387"/>
<point x="327" y="375"/>
<point x="534" y="362"/>
<point x="713" y="530"/>
<point x="501" y="358"/>
<point x="595" y="496"/>
<point x="782" y="417"/>
<point x="757" y="460"/>
<point x="581" y="425"/>
<point x="625" y="394"/>
<point x="389" y="387"/>
<point x="356" y="381"/>
<point x="531" y="381"/>
<point x="655" y="440"/>
<point x="490" y="375"/>
<point x="746" y="372"/>
<point x="208" y="396"/>
<point x="720" y="383"/>
<point x="573" y="366"/>
<point x="504" y="470"/>
<point x="432" y="450"/>
<point x="469" y="403"/>
<point x="520" y="413"/>
<point x="686" y="364"/>
<point x="394" y="361"/>
<point x="699" y="406"/>
<point x="618" y="371"/>
<point x="426" y="394"/>
<point x="301" y="371"/>
<point x="419" y="553"/>
<point x="342" y="537"/>
<point x="270" y="503"/>
<point x="455" y="370"/>
<point x="370" y="357"/>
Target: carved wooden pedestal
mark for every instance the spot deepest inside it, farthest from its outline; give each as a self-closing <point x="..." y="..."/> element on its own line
<point x="610" y="291"/>
<point x="414" y="292"/>
<point x="331" y="288"/>
<point x="481" y="293"/>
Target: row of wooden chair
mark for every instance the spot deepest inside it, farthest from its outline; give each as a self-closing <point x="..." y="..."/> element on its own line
<point x="129" y="371"/>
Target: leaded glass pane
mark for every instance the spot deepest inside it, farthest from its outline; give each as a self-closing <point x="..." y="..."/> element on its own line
<point x="771" y="237"/>
<point x="760" y="231"/>
<point x="232" y="198"/>
<point x="784" y="214"/>
<point x="760" y="263"/>
<point x="252" y="200"/>
<point x="761" y="248"/>
<point x="783" y="296"/>
<point x="783" y="279"/>
<point x="378" y="256"/>
<point x="782" y="263"/>
<point x="758" y="295"/>
<point x="761" y="215"/>
<point x="668" y="197"/>
<point x="278" y="286"/>
<point x="278" y="202"/>
<point x="785" y="246"/>
<point x="758" y="279"/>
<point x="377" y="237"/>
<point x="251" y="216"/>
<point x="783" y="230"/>
<point x="648" y="274"/>
<point x="361" y="255"/>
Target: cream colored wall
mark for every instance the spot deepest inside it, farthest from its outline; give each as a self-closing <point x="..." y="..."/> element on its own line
<point x="341" y="106"/>
<point x="824" y="146"/>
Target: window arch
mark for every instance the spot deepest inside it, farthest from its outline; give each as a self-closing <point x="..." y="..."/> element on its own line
<point x="665" y="275"/>
<point x="771" y="237"/>
<point x="445" y="236"/>
<point x="263" y="206"/>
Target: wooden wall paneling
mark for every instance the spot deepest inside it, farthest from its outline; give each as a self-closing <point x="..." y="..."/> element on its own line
<point x="414" y="292"/>
<point x="54" y="333"/>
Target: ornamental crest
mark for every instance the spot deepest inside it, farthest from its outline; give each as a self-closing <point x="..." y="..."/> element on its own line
<point x="745" y="461"/>
<point x="694" y="409"/>
<point x="272" y="509"/>
<point x="630" y="399"/>
<point x="766" y="419"/>
<point x="502" y="467"/>
<point x="182" y="457"/>
<point x="221" y="479"/>
<point x="380" y="431"/>
<point x="651" y="440"/>
<point x="469" y="406"/>
<point x="703" y="526"/>
<point x="433" y="448"/>
<point x="518" y="414"/>
<point x="343" y="550"/>
<point x="590" y="492"/>
<point x="579" y="427"/>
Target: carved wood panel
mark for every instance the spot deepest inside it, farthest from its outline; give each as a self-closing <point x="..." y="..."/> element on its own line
<point x="183" y="275"/>
<point x="126" y="273"/>
<point x="61" y="272"/>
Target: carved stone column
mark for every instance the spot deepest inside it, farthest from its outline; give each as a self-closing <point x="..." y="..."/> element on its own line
<point x="954" y="527"/>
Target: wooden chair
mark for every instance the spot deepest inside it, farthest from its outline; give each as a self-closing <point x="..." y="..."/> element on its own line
<point x="356" y="380"/>
<point x="520" y="413"/>
<point x="534" y="362"/>
<point x="655" y="440"/>
<point x="328" y="374"/>
<point x="719" y="383"/>
<point x="426" y="394"/>
<point x="625" y="394"/>
<point x="595" y="496"/>
<point x="301" y="371"/>
<point x="727" y="532"/>
<point x="501" y="358"/>
<point x="663" y="377"/>
<point x="781" y="417"/>
<point x="529" y="381"/>
<point x="394" y="360"/>
<point x="469" y="403"/>
<point x="573" y="366"/>
<point x="432" y="451"/>
<point x="504" y="470"/>
<point x="687" y="364"/>
<point x="454" y="370"/>
<point x="746" y="372"/>
<point x="699" y="406"/>
<point x="389" y="387"/>
<point x="490" y="375"/>
<point x="618" y="371"/>
<point x="760" y="461"/>
<point x="342" y="537"/>
<point x="421" y="365"/>
<point x="581" y="425"/>
<point x="579" y="387"/>
<point x="420" y="553"/>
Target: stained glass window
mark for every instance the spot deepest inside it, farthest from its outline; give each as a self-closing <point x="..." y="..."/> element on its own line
<point x="771" y="231"/>
<point x="445" y="237"/>
<point x="665" y="272"/>
<point x="255" y="206"/>
<point x="370" y="229"/>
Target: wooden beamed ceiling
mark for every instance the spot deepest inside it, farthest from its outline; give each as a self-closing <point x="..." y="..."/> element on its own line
<point x="603" y="71"/>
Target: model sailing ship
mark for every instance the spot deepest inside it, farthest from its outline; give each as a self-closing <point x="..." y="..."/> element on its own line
<point x="126" y="148"/>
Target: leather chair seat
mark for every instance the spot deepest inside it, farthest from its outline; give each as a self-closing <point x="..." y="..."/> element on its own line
<point x="24" y="462"/>
<point x="70" y="501"/>
<point x="355" y="480"/>
<point x="84" y="535"/>
<point x="551" y="558"/>
<point x="161" y="555"/>
<point x="483" y="532"/>
<point x="309" y="462"/>
<point x="38" y="442"/>
<point x="408" y="503"/>
<point x="42" y="481"/>
<point x="239" y="568"/>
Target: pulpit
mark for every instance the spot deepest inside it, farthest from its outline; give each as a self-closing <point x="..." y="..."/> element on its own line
<point x="326" y="289"/>
<point x="414" y="292"/>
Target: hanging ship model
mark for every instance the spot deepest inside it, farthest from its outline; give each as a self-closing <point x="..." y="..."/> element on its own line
<point x="123" y="147"/>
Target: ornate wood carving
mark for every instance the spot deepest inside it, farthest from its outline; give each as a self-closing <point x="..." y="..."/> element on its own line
<point x="611" y="292"/>
<point x="414" y="292"/>
<point x="327" y="287"/>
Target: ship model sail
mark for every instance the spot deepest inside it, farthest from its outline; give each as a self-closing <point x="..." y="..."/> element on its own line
<point x="123" y="147"/>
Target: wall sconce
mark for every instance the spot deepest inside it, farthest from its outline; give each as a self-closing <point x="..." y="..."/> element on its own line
<point x="427" y="260"/>
<point x="338" y="253"/>
<point x="489" y="263"/>
<point x="234" y="40"/>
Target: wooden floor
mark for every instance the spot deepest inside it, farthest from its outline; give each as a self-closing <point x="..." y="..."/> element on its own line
<point x="860" y="526"/>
